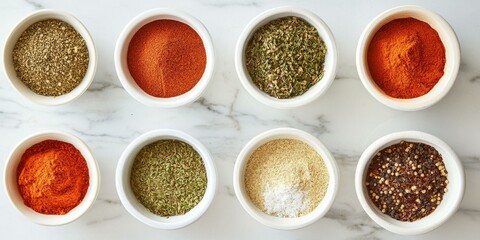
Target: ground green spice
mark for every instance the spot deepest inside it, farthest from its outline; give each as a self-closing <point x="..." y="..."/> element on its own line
<point x="168" y="177"/>
<point x="286" y="57"/>
<point x="50" y="57"/>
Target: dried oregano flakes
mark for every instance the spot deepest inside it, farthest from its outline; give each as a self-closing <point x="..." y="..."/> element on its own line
<point x="168" y="177"/>
<point x="286" y="57"/>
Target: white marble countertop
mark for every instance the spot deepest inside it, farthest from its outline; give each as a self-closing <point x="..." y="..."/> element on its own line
<point x="346" y="119"/>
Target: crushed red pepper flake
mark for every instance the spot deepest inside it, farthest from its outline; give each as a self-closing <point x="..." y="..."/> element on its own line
<point x="407" y="180"/>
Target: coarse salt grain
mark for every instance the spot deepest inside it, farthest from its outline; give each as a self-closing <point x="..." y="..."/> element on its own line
<point x="285" y="201"/>
<point x="288" y="162"/>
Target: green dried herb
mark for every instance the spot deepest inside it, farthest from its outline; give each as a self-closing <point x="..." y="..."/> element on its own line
<point x="168" y="177"/>
<point x="286" y="57"/>
<point x="50" y="57"/>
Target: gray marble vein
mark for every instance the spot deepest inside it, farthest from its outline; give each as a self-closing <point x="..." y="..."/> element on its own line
<point x="35" y="4"/>
<point x="224" y="4"/>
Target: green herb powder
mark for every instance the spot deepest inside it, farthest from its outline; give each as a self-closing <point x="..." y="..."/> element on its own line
<point x="168" y="177"/>
<point x="50" y="57"/>
<point x="286" y="57"/>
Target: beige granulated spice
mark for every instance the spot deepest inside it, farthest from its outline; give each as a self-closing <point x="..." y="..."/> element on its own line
<point x="286" y="162"/>
<point x="50" y="57"/>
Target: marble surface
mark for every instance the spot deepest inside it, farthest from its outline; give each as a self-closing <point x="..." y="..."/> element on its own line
<point x="346" y="119"/>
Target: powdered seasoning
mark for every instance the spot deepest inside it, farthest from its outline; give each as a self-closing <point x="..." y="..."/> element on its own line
<point x="286" y="178"/>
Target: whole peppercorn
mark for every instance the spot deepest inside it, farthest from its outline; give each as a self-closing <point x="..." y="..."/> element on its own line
<point x="407" y="180"/>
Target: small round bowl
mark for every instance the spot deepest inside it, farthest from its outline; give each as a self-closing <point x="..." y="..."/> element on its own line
<point x="452" y="54"/>
<point x="135" y="208"/>
<point x="330" y="65"/>
<point x="126" y="78"/>
<point x="278" y="222"/>
<point x="451" y="199"/>
<point x="11" y="74"/>
<point x="11" y="186"/>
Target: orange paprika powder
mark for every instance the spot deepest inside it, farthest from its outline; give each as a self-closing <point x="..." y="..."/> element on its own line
<point x="166" y="58"/>
<point x="406" y="58"/>
<point x="52" y="177"/>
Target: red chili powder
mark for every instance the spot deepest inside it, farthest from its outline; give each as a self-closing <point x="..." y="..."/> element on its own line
<point x="166" y="58"/>
<point x="406" y="58"/>
<point x="52" y="177"/>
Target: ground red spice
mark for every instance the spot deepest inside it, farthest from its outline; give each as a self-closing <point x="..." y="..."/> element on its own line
<point x="406" y="58"/>
<point x="166" y="58"/>
<point x="52" y="177"/>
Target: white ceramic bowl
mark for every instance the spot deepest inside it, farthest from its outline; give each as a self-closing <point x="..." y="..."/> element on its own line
<point x="135" y="208"/>
<point x="11" y="74"/>
<point x="330" y="66"/>
<point x="451" y="199"/>
<point x="11" y="187"/>
<point x="126" y="78"/>
<point x="278" y="222"/>
<point x="452" y="51"/>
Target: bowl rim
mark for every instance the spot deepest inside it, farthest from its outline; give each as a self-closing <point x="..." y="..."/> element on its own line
<point x="277" y="222"/>
<point x="330" y="67"/>
<point x="424" y="101"/>
<point x="89" y="198"/>
<point x="127" y="80"/>
<point x="87" y="80"/>
<point x="123" y="168"/>
<point x="415" y="136"/>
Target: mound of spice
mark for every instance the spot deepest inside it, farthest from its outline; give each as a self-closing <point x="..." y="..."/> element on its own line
<point x="166" y="58"/>
<point x="168" y="177"/>
<point x="52" y="177"/>
<point x="50" y="58"/>
<point x="286" y="178"/>
<point x="406" y="58"/>
<point x="407" y="180"/>
<point x="285" y="57"/>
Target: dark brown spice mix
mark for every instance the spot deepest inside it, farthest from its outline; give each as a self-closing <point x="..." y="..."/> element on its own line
<point x="407" y="180"/>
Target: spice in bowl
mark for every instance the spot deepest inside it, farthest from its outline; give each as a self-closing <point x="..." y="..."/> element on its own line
<point x="52" y="177"/>
<point x="166" y="58"/>
<point x="285" y="57"/>
<point x="168" y="177"/>
<point x="286" y="178"/>
<point x="406" y="58"/>
<point x="407" y="180"/>
<point x="50" y="57"/>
